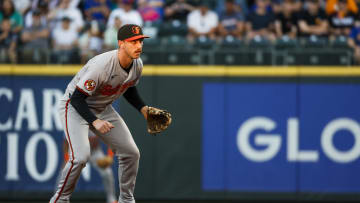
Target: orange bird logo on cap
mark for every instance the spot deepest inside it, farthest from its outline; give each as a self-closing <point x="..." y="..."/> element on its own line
<point x="135" y="30"/>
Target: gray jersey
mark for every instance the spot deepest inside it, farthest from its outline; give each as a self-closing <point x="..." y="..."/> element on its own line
<point x="104" y="80"/>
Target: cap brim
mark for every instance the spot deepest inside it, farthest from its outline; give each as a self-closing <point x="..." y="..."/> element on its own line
<point x="136" y="37"/>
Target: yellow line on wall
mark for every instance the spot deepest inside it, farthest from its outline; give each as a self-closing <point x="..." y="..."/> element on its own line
<point x="206" y="71"/>
<point x="39" y="70"/>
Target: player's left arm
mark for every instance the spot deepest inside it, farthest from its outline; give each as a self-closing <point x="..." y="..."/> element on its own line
<point x="157" y="119"/>
<point x="132" y="96"/>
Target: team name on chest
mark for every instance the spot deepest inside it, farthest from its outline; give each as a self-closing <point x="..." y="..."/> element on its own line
<point x="109" y="90"/>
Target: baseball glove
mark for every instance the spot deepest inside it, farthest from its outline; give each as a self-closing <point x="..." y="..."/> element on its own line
<point x="157" y="120"/>
<point x="104" y="162"/>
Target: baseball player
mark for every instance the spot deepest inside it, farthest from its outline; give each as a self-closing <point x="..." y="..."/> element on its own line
<point x="101" y="162"/>
<point x="86" y="105"/>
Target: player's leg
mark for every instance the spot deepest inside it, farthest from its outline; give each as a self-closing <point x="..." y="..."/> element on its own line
<point x="65" y="149"/>
<point x="120" y="140"/>
<point x="106" y="174"/>
<point x="76" y="131"/>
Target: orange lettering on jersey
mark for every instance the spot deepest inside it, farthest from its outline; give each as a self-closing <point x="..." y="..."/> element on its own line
<point x="108" y="90"/>
<point x="126" y="85"/>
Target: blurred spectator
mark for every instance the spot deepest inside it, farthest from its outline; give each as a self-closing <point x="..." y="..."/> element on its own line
<point x="202" y="22"/>
<point x="275" y="6"/>
<point x="65" y="10"/>
<point x="90" y="42"/>
<point x="286" y="21"/>
<point x="269" y="5"/>
<point x="178" y="10"/>
<point x="342" y="20"/>
<point x="98" y="10"/>
<point x="332" y="6"/>
<point x="8" y="42"/>
<point x="22" y="6"/>
<point x="354" y="42"/>
<point x="297" y="5"/>
<point x="8" y="11"/>
<point x="240" y="5"/>
<point x="260" y="23"/>
<point x="35" y="39"/>
<point x="312" y="20"/>
<point x="64" y="41"/>
<point x="53" y="3"/>
<point x="232" y="22"/>
<point x="150" y="10"/>
<point x="126" y="13"/>
<point x="110" y="36"/>
<point x="43" y="9"/>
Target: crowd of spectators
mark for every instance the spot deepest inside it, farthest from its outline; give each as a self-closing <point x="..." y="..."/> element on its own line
<point x="84" y="28"/>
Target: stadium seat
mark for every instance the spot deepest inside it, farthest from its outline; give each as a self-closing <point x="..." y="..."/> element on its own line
<point x="314" y="42"/>
<point x="204" y="43"/>
<point x="175" y="42"/>
<point x="285" y="43"/>
<point x="151" y="29"/>
<point x="173" y="28"/>
<point x="259" y="42"/>
<point x="231" y="42"/>
<point x="152" y="43"/>
<point x="340" y="42"/>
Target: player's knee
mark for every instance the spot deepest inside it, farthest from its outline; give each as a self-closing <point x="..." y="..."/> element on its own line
<point x="135" y="154"/>
<point x="83" y="158"/>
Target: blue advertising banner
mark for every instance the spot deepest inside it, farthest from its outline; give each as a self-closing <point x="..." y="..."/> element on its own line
<point x="31" y="135"/>
<point x="284" y="137"/>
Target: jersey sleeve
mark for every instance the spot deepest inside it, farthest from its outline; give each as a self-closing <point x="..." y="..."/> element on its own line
<point x="90" y="81"/>
<point x="138" y="72"/>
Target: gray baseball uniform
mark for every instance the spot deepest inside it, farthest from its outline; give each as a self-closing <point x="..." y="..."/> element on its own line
<point x="103" y="80"/>
<point x="106" y="174"/>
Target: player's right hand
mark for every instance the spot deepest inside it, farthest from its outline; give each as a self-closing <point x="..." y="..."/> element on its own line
<point x="102" y="126"/>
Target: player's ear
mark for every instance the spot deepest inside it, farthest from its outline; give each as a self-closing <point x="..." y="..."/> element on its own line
<point x="120" y="42"/>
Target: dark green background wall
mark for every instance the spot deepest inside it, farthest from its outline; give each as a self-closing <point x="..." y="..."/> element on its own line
<point x="170" y="165"/>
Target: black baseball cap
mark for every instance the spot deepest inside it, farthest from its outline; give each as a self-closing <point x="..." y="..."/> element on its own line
<point x="130" y="32"/>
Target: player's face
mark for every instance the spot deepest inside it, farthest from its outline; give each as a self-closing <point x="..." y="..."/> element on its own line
<point x="134" y="48"/>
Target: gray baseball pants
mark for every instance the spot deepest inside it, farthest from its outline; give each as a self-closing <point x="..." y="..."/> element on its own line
<point x="106" y="174"/>
<point x="119" y="139"/>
